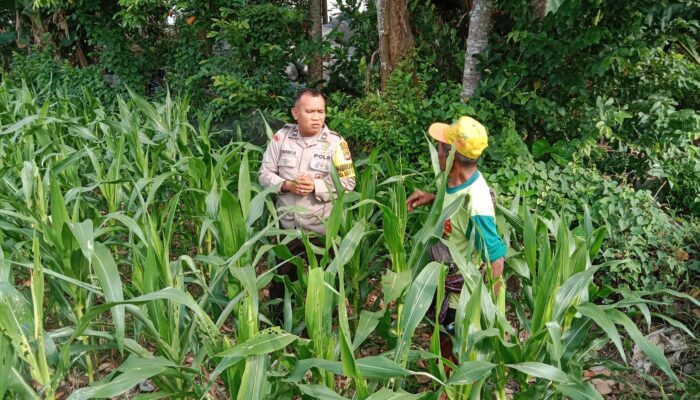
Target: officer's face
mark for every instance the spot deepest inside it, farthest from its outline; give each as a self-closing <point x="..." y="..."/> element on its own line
<point x="310" y="114"/>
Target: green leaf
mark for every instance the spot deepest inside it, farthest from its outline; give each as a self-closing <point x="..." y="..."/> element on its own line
<point x="393" y="284"/>
<point x="675" y="323"/>
<point x="268" y="130"/>
<point x="578" y="391"/>
<point x="649" y="348"/>
<point x="386" y="394"/>
<point x="171" y="294"/>
<point x="85" y="237"/>
<point x="416" y="303"/>
<point x="334" y="219"/>
<point x="230" y="225"/>
<point x="257" y="205"/>
<point x="254" y="381"/>
<point x="244" y="188"/>
<point x="570" y="290"/>
<point x="368" y="322"/>
<point x="597" y="314"/>
<point x="434" y="160"/>
<point x="541" y="370"/>
<point x="557" y="348"/>
<point x="394" y="239"/>
<point x="540" y="147"/>
<point x="128" y="222"/>
<point x="304" y="365"/>
<point x="530" y="242"/>
<point x="134" y="373"/>
<point x="108" y="276"/>
<point x="246" y="276"/>
<point x="373" y="367"/>
<point x="349" y="245"/>
<point x="468" y="372"/>
<point x="266" y="341"/>
<point x="380" y="367"/>
<point x="512" y="217"/>
<point x="320" y="392"/>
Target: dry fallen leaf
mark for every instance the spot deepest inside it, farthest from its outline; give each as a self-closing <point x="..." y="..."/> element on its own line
<point x="682" y="255"/>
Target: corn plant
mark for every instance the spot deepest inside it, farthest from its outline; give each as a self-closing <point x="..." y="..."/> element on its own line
<point x="554" y="313"/>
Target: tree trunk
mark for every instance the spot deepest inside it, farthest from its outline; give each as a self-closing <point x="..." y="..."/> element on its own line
<point x="316" y="69"/>
<point x="324" y="11"/>
<point x="395" y="37"/>
<point x="479" y="30"/>
<point x="539" y="8"/>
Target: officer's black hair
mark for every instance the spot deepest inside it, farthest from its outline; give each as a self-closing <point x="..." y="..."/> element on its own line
<point x="310" y="91"/>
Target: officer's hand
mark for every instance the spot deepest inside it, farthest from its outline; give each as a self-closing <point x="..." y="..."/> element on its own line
<point x="292" y="187"/>
<point x="419" y="198"/>
<point x="305" y="185"/>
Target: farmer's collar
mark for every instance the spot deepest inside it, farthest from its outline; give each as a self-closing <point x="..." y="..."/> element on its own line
<point x="465" y="184"/>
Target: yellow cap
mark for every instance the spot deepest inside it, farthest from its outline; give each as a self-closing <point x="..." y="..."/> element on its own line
<point x="467" y="135"/>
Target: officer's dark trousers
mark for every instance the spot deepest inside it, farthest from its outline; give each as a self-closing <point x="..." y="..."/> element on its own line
<point x="288" y="269"/>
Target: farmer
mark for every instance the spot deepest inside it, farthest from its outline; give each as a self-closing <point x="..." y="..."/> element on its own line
<point x="298" y="159"/>
<point x="475" y="217"/>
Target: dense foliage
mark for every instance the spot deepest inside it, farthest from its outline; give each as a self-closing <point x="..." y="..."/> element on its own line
<point x="141" y="235"/>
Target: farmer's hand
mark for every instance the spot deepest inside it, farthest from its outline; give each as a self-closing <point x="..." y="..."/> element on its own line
<point x="419" y="198"/>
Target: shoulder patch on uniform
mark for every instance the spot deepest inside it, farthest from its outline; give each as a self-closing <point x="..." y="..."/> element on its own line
<point x="342" y="160"/>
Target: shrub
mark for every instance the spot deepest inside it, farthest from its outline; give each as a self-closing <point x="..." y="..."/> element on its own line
<point x="39" y="70"/>
<point x="613" y="84"/>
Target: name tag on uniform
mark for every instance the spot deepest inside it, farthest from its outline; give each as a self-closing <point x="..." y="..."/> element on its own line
<point x="287" y="161"/>
<point x="320" y="162"/>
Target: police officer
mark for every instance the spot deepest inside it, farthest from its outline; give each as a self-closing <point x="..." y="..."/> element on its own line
<point x="298" y="158"/>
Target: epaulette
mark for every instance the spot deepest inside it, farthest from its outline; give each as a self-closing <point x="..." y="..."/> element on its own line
<point x="286" y="130"/>
<point x="334" y="133"/>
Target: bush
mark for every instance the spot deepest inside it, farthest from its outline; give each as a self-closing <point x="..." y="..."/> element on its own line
<point x="655" y="245"/>
<point x="41" y="71"/>
<point x="612" y="84"/>
<point x="255" y="42"/>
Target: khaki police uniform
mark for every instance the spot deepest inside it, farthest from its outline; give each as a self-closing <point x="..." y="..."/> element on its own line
<point x="290" y="154"/>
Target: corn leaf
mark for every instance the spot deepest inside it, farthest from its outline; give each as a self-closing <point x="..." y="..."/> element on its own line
<point x="649" y="348"/>
<point x="468" y="372"/>
<point x="254" y="381"/>
<point x="320" y="392"/>
<point x="386" y="394"/>
<point x="541" y="370"/>
<point x="578" y="391"/>
<point x="134" y="371"/>
<point x="108" y="276"/>
<point x="601" y="319"/>
<point x="417" y="301"/>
